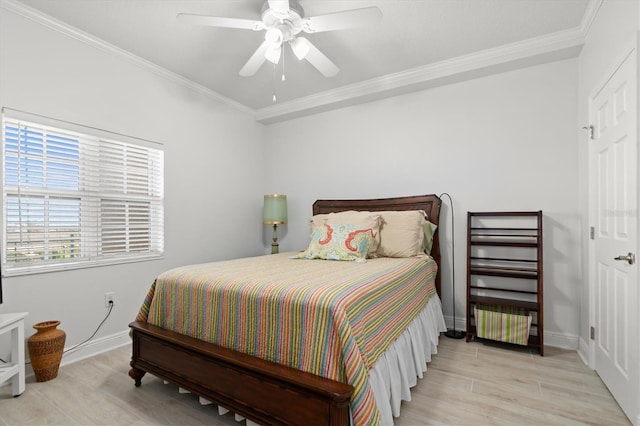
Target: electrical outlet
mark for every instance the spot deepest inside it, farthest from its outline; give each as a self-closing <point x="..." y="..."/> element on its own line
<point x="109" y="299"/>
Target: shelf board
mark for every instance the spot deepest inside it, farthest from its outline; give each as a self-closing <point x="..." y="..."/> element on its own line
<point x="503" y="243"/>
<point x="502" y="259"/>
<point x="486" y="300"/>
<point x="502" y="235"/>
<point x="512" y="290"/>
<point x="7" y="371"/>
<point x="489" y="228"/>
<point x="500" y="271"/>
<point x="506" y="214"/>
<point x="534" y="341"/>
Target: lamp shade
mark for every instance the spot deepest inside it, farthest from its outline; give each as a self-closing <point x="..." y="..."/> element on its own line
<point x="275" y="209"/>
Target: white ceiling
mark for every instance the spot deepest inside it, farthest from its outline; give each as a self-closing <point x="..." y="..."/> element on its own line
<point x="413" y="42"/>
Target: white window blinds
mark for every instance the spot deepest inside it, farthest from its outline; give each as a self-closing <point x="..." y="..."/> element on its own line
<point x="74" y="199"/>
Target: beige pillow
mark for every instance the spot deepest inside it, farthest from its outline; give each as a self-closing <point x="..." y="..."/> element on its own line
<point x="401" y="233"/>
<point x="362" y="219"/>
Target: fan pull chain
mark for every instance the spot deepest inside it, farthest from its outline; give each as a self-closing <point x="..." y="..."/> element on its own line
<point x="283" y="56"/>
<point x="274" y="84"/>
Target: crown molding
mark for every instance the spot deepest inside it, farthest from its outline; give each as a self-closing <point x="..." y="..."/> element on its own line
<point x="555" y="46"/>
<point x="590" y="15"/>
<point x="93" y="41"/>
<point x="538" y="50"/>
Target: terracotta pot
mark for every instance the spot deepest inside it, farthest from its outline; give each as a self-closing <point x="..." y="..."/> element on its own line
<point x="45" y="350"/>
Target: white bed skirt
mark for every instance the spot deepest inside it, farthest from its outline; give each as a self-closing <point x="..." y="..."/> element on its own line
<point x="398" y="369"/>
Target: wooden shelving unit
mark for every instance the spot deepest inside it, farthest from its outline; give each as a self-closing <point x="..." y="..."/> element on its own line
<point x="505" y="266"/>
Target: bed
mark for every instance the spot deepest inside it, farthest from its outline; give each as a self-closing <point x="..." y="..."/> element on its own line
<point x="270" y="391"/>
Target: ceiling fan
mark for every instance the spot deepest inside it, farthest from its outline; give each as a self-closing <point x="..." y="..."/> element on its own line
<point x="282" y="21"/>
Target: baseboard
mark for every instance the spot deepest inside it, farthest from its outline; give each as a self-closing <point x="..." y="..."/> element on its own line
<point x="461" y="324"/>
<point x="560" y="340"/>
<point x="583" y="352"/>
<point x="97" y="346"/>
<point x="91" y="348"/>
<point x="551" y="338"/>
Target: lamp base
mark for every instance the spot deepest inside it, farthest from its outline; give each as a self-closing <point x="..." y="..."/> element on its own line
<point x="275" y="248"/>
<point x="455" y="334"/>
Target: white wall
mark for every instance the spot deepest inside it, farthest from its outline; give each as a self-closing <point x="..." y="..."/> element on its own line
<point x="213" y="169"/>
<point x="612" y="33"/>
<point x="503" y="142"/>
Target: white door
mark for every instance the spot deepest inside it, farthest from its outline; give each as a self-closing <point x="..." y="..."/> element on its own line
<point x="614" y="156"/>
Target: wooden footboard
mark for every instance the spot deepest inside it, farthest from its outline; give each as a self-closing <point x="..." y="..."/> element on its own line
<point x="262" y="391"/>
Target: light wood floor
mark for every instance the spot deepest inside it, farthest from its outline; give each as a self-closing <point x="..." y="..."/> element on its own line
<point x="466" y="383"/>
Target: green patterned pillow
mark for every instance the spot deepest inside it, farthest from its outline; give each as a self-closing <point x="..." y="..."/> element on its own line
<point x="337" y="241"/>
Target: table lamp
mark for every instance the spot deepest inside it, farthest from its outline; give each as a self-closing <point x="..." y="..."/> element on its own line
<point x="275" y="213"/>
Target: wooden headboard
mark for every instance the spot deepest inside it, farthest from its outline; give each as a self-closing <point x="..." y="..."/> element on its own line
<point x="429" y="203"/>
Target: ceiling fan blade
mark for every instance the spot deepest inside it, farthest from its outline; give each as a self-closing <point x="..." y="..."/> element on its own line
<point x="280" y="6"/>
<point x="355" y="18"/>
<point x="255" y="61"/>
<point x="216" y="21"/>
<point x="300" y="47"/>
<point x="318" y="59"/>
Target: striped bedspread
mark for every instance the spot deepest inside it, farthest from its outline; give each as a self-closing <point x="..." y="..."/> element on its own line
<point x="329" y="318"/>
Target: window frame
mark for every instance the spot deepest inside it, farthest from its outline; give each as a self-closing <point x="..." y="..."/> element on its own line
<point x="142" y="175"/>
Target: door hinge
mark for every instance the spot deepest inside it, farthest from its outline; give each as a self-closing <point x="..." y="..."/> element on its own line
<point x="593" y="333"/>
<point x="592" y="233"/>
<point x="590" y="129"/>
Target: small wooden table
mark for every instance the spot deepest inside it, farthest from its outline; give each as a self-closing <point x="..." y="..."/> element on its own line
<point x="14" y="369"/>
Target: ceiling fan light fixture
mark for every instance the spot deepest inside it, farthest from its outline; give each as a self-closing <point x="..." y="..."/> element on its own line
<point x="274" y="36"/>
<point x="273" y="54"/>
<point x="282" y="21"/>
<point x="300" y="48"/>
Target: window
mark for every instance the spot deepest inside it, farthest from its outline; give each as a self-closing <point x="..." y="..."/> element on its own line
<point x="75" y="199"/>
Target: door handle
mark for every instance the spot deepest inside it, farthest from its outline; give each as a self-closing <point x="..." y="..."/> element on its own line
<point x="631" y="258"/>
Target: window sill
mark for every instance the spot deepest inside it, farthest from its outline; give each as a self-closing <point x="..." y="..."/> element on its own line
<point x="44" y="269"/>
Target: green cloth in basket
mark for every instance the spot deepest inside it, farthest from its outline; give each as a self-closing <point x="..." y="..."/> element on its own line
<point x="503" y="323"/>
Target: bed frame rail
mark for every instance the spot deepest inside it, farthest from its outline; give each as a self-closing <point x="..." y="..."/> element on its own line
<point x="262" y="391"/>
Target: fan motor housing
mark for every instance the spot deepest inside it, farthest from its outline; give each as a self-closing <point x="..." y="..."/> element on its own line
<point x="289" y="23"/>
